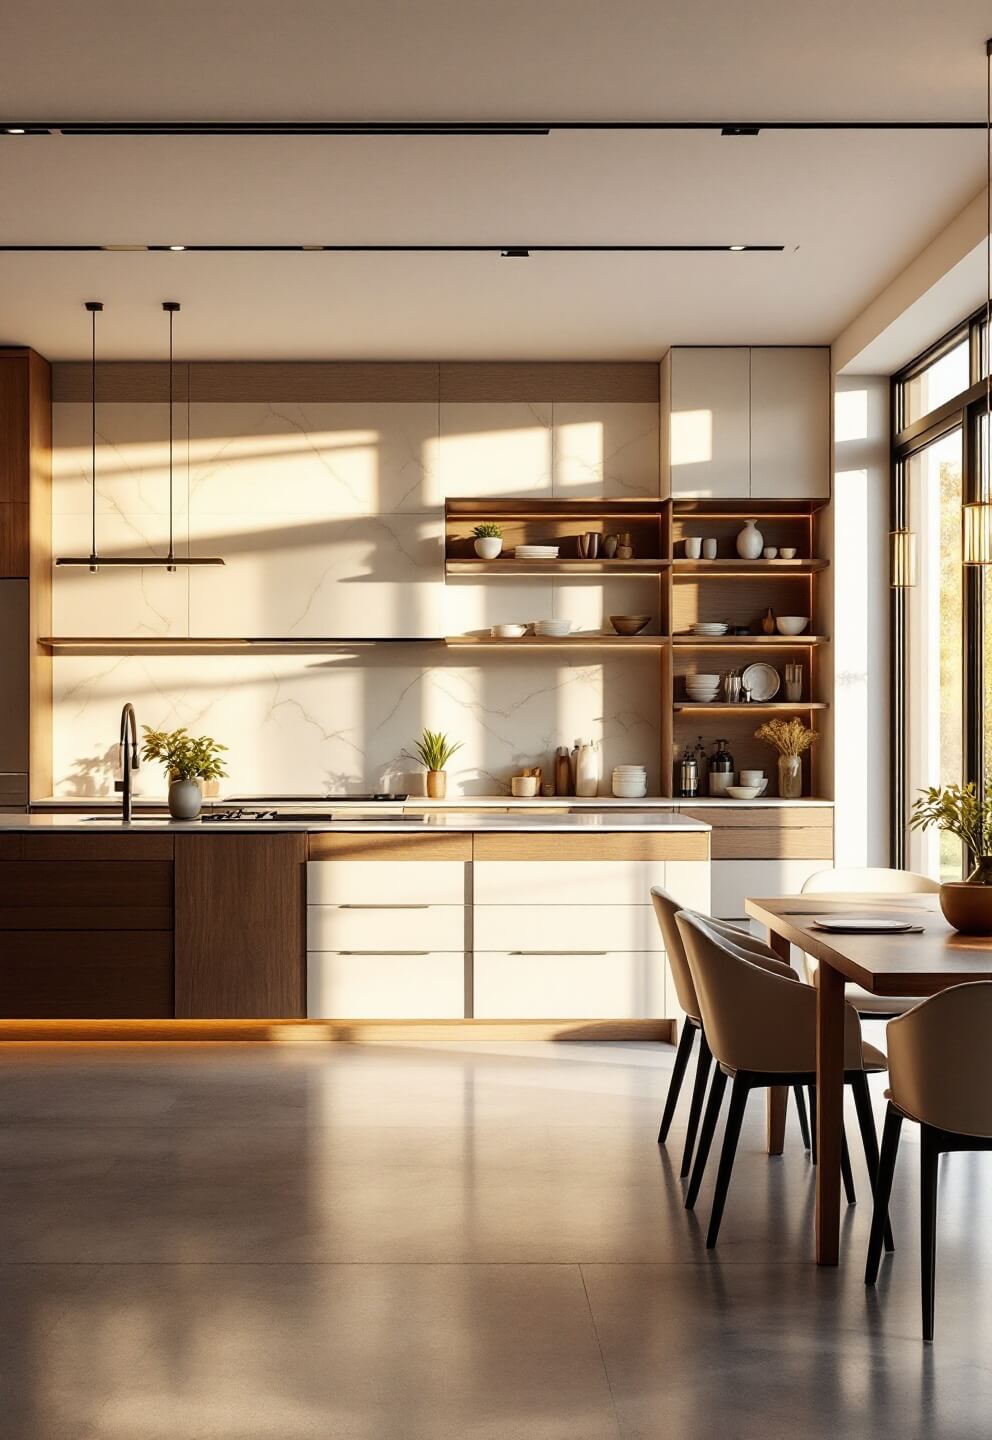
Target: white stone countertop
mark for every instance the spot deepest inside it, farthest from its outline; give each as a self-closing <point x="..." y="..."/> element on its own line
<point x="659" y="822"/>
<point x="95" y="803"/>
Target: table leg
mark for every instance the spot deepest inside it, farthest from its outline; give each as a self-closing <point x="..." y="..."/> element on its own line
<point x="829" y="1110"/>
<point x="775" y="1108"/>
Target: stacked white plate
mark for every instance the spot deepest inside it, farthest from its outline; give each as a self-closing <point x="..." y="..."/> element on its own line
<point x="536" y="552"/>
<point x="552" y="628"/>
<point x="710" y="627"/>
<point x="702" y="689"/>
<point x="630" y="782"/>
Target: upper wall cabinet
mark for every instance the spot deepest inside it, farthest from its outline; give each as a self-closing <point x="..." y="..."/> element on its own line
<point x="742" y="424"/>
<point x="790" y="423"/>
<point x="709" y="427"/>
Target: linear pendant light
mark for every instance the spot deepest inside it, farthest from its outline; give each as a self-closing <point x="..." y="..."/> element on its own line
<point x="93" y="561"/>
<point x="976" y="540"/>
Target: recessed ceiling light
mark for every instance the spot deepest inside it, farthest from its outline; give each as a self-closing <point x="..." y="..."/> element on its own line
<point x="177" y="247"/>
<point x="15" y="130"/>
<point x="738" y="247"/>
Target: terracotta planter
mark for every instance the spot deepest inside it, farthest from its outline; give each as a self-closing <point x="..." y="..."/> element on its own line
<point x="437" y="784"/>
<point x="967" y="906"/>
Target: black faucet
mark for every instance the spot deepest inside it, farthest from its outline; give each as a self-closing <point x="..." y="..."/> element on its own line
<point x="130" y="759"/>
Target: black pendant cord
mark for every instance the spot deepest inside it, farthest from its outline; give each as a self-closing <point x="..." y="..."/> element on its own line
<point x="93" y="306"/>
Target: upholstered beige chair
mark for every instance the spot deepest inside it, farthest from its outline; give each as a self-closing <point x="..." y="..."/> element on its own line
<point x="761" y="1029"/>
<point x="666" y="908"/>
<point x="938" y="1076"/>
<point x="868" y="881"/>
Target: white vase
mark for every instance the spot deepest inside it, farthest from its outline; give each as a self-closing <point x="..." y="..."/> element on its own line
<point x="185" y="799"/>
<point x="750" y="542"/>
<point x="587" y="771"/>
<point x="487" y="547"/>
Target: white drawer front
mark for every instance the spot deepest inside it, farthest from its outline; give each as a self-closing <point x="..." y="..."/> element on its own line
<point x="384" y="986"/>
<point x="385" y="882"/>
<point x="735" y="880"/>
<point x="689" y="882"/>
<point x="428" y="927"/>
<point x="567" y="882"/>
<point x="562" y="927"/>
<point x="615" y="985"/>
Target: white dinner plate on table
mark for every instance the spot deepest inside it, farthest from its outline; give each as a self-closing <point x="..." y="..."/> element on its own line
<point x="862" y="925"/>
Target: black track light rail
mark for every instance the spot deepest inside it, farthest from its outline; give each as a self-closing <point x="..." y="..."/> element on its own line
<point x="442" y="128"/>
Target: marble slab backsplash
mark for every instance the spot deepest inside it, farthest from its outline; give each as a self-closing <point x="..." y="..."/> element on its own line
<point x="330" y="519"/>
<point x="344" y="721"/>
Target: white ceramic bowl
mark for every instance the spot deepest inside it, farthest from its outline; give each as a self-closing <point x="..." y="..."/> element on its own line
<point x="743" y="792"/>
<point x="753" y="777"/>
<point x="523" y="787"/>
<point x="788" y="553"/>
<point x="508" y="632"/>
<point x="552" y="627"/>
<point x="791" y="624"/>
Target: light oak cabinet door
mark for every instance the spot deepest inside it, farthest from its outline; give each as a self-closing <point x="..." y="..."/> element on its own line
<point x="709" y="423"/>
<point x="790" y="423"/>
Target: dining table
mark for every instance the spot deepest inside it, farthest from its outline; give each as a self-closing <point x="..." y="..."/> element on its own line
<point x="928" y="957"/>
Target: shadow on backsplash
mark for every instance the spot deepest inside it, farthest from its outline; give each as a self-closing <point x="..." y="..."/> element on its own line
<point x="92" y="775"/>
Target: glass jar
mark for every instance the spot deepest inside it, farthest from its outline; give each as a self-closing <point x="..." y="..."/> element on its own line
<point x="790" y="777"/>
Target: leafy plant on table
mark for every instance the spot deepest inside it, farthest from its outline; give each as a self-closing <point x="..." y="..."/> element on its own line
<point x="434" y="749"/>
<point x="185" y="756"/>
<point x="958" y="810"/>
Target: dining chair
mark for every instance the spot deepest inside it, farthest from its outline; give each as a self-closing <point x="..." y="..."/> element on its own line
<point x="761" y="1028"/>
<point x="666" y="907"/>
<point x="938" y="1077"/>
<point x="868" y="881"/>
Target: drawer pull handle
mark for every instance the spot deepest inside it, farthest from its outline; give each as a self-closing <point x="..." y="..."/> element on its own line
<point x="383" y="952"/>
<point x="559" y="952"/>
<point x="383" y="907"/>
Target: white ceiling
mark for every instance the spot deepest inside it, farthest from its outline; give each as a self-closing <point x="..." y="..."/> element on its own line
<point x="851" y="208"/>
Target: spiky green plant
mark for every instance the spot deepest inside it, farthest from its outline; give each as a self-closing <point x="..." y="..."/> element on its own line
<point x="488" y="530"/>
<point x="434" y="749"/>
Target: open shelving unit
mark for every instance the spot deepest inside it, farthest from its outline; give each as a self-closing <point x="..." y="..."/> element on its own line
<point x="726" y="588"/>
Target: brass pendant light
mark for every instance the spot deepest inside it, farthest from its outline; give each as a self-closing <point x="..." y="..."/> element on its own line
<point x="93" y="562"/>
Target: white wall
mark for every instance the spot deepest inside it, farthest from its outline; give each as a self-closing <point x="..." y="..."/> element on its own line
<point x="859" y="580"/>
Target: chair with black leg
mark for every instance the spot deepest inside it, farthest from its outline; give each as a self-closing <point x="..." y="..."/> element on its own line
<point x="666" y="907"/>
<point x="938" y="1078"/>
<point x="761" y="1028"/>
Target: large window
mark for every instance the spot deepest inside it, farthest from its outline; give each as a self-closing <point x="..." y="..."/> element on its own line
<point x="942" y="657"/>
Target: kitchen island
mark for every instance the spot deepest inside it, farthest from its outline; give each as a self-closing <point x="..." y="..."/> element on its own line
<point x="536" y="919"/>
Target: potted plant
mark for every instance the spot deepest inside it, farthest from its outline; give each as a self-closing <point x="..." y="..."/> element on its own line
<point x="188" y="760"/>
<point x="434" y="750"/>
<point x="957" y="810"/>
<point x="488" y="539"/>
<point x="791" y="738"/>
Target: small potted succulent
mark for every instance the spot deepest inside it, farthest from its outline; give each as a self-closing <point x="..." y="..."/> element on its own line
<point x="189" y="760"/>
<point x="434" y="750"/>
<point x="488" y="539"/>
<point x="791" y="738"/>
<point x="957" y="810"/>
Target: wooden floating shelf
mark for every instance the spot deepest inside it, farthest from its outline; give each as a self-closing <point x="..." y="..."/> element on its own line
<point x="778" y="569"/>
<point x="551" y="508"/>
<point x="555" y="567"/>
<point x="748" y="509"/>
<point x="744" y="642"/>
<point x="190" y="645"/>
<point x="753" y="707"/>
<point x="579" y="642"/>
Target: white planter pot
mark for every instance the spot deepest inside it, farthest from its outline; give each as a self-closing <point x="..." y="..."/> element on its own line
<point x="487" y="547"/>
<point x="185" y="799"/>
<point x="750" y="542"/>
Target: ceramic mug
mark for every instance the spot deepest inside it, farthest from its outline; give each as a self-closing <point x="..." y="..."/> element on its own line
<point x="752" y="777"/>
<point x="709" y="549"/>
<point x="770" y="552"/>
<point x="693" y="547"/>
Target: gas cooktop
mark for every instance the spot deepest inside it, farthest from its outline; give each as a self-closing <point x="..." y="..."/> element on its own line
<point x="239" y="815"/>
<point x="338" y="798"/>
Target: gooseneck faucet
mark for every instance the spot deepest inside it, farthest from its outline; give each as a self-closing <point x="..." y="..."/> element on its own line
<point x="130" y="759"/>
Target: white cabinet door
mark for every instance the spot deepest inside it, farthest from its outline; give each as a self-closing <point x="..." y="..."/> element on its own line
<point x="790" y="423"/>
<point x="386" y="882"/>
<point x="734" y="881"/>
<point x="569" y="882"/>
<point x="573" y="929"/>
<point x="385" y="986"/>
<point x="709" y="424"/>
<point x="615" y="985"/>
<point x="402" y="927"/>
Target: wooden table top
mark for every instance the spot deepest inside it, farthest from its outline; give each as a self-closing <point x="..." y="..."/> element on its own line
<point x="901" y="964"/>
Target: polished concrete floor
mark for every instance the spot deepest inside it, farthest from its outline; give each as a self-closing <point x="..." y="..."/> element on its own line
<point x="421" y="1242"/>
